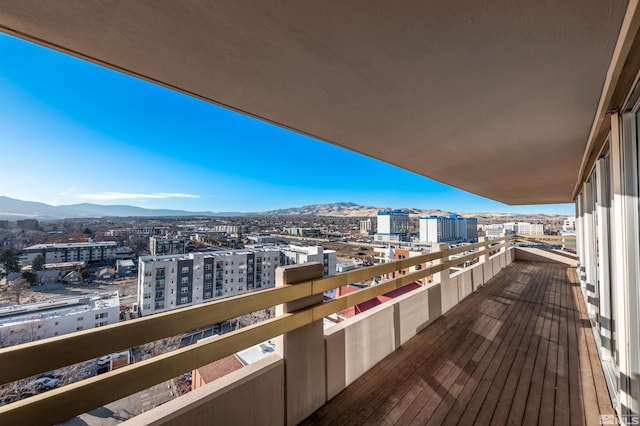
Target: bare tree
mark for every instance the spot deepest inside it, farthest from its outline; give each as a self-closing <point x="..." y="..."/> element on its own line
<point x="15" y="289"/>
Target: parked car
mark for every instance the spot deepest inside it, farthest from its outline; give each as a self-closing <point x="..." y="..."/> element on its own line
<point x="51" y="375"/>
<point x="46" y="383"/>
<point x="104" y="360"/>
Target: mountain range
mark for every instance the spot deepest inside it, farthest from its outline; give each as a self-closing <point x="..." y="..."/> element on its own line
<point x="13" y="209"/>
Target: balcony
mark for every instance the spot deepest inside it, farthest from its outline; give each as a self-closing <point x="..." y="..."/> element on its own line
<point x="521" y="102"/>
<point x="497" y="340"/>
<point x="518" y="351"/>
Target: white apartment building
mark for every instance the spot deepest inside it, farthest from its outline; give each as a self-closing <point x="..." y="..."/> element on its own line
<point x="494" y="230"/>
<point x="125" y="232"/>
<point x="393" y="226"/>
<point x="292" y="255"/>
<point x="442" y="229"/>
<point x="176" y="281"/>
<point x="71" y="252"/>
<point x="524" y="228"/>
<point x="159" y="246"/>
<point x="365" y="227"/>
<point x="34" y="321"/>
<point x="230" y="229"/>
<point x="569" y="224"/>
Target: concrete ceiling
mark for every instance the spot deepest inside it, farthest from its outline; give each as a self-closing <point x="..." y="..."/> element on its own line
<point x="494" y="97"/>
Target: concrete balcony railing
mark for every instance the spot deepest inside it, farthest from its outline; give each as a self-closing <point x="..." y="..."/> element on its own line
<point x="311" y="364"/>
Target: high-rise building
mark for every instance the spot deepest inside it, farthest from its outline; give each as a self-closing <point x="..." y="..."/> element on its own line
<point x="175" y="281"/>
<point x="365" y="227"/>
<point x="393" y="225"/>
<point x="442" y="229"/>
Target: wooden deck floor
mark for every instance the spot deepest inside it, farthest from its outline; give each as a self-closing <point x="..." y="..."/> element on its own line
<point x="518" y="351"/>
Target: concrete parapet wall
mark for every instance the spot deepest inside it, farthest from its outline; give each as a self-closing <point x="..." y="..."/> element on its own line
<point x="477" y="276"/>
<point x="465" y="283"/>
<point x="353" y="347"/>
<point x="250" y="396"/>
<point x="449" y="289"/>
<point x="530" y="254"/>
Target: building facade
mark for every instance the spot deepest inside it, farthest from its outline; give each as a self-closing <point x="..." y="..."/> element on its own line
<point x="569" y="224"/>
<point x="442" y="229"/>
<point x="393" y="226"/>
<point x="293" y="255"/>
<point x="230" y="229"/>
<point x="175" y="281"/>
<point x="523" y="228"/>
<point x="35" y="321"/>
<point x="365" y="227"/>
<point x="100" y="252"/>
<point x="159" y="246"/>
<point x="407" y="253"/>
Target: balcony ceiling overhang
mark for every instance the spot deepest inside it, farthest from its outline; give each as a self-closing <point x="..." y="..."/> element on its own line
<point x="497" y="98"/>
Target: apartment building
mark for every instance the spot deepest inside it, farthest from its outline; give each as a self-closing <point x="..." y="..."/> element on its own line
<point x="569" y="224"/>
<point x="175" y="281"/>
<point x="293" y="255"/>
<point x="393" y="226"/>
<point x="365" y="226"/>
<point x="523" y="228"/>
<point x="89" y="252"/>
<point x="34" y="321"/>
<point x="407" y="253"/>
<point x="443" y="229"/>
<point x="159" y="246"/>
<point x="230" y="229"/>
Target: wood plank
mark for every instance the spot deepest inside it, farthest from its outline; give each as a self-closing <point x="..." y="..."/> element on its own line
<point x="517" y="351"/>
<point x="496" y="335"/>
<point x="507" y="390"/>
<point x="576" y="406"/>
<point x="499" y="376"/>
<point x="562" y="379"/>
<point x="547" y="399"/>
<point x="456" y="321"/>
<point x="529" y="354"/>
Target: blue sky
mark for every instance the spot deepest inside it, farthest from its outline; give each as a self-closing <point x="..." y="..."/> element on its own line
<point x="73" y="132"/>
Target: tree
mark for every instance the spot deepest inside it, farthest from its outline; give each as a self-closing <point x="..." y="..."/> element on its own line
<point x="87" y="231"/>
<point x="30" y="277"/>
<point x="15" y="289"/>
<point x="86" y="274"/>
<point x="9" y="258"/>
<point x="38" y="263"/>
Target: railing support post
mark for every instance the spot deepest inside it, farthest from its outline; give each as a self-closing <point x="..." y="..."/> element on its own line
<point x="448" y="290"/>
<point x="483" y="257"/>
<point x="302" y="349"/>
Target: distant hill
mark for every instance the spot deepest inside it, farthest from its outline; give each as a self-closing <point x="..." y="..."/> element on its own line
<point x="344" y="209"/>
<point x="13" y="209"/>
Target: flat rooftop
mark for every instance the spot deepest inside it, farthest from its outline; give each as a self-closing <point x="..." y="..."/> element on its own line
<point x="16" y="314"/>
<point x="71" y="245"/>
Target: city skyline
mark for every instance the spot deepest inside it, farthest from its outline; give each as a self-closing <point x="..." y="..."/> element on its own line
<point x="75" y="132"/>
